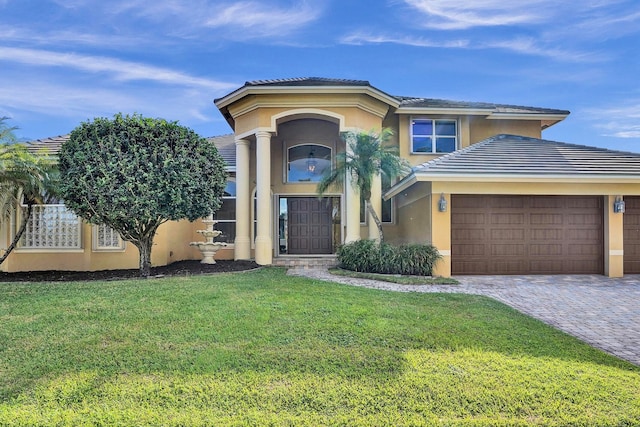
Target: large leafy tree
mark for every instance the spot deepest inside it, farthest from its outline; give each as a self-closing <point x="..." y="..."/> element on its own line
<point x="133" y="173"/>
<point x="367" y="156"/>
<point x="25" y="178"/>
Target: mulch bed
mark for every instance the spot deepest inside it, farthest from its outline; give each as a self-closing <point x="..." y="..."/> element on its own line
<point x="180" y="268"/>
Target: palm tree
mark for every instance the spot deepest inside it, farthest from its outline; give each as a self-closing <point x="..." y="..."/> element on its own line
<point x="24" y="178"/>
<point x="367" y="156"/>
<point x="6" y="132"/>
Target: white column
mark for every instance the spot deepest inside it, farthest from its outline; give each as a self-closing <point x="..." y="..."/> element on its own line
<point x="242" y="242"/>
<point x="352" y="201"/>
<point x="376" y="203"/>
<point x="264" y="245"/>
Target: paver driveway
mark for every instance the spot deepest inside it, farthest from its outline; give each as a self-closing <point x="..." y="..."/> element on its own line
<point x="601" y="311"/>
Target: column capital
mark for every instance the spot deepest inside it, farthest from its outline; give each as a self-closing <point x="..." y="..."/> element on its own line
<point x="263" y="134"/>
<point x="241" y="141"/>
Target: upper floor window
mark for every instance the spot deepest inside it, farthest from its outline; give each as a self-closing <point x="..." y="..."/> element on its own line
<point x="433" y="136"/>
<point x="307" y="163"/>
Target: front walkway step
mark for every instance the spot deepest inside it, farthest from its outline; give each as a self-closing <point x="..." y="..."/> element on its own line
<point x="306" y="262"/>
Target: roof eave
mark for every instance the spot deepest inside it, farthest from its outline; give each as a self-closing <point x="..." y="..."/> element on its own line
<point x="244" y="91"/>
<point x="445" y="111"/>
<point x="519" y="177"/>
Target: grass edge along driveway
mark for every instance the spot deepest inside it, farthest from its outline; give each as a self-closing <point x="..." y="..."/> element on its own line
<point x="263" y="348"/>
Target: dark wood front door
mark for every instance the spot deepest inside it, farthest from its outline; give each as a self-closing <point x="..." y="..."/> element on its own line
<point x="309" y="226"/>
<point x="527" y="234"/>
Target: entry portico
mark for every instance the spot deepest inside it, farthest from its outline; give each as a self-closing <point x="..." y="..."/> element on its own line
<point x="285" y="135"/>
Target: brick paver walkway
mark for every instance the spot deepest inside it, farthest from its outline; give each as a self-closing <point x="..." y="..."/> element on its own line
<point x="601" y="311"/>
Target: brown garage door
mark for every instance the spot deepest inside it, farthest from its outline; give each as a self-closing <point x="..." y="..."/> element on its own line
<point x="632" y="235"/>
<point x="526" y="234"/>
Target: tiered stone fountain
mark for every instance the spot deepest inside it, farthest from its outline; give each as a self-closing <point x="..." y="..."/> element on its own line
<point x="209" y="247"/>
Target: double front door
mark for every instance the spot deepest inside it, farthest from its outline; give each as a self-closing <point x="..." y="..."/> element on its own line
<point x="307" y="225"/>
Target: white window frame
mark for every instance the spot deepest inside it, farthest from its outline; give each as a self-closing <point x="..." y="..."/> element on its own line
<point x="35" y="239"/>
<point x="96" y="230"/>
<point x="227" y="221"/>
<point x="433" y="135"/>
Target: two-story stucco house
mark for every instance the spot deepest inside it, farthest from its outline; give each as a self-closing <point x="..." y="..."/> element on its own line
<point x="486" y="189"/>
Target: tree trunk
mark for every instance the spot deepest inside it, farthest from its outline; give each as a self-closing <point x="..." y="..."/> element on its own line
<point x="144" y="248"/>
<point x="374" y="215"/>
<point x="19" y="233"/>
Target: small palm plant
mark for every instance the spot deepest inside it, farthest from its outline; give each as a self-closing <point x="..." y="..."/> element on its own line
<point x="367" y="156"/>
<point x="24" y="177"/>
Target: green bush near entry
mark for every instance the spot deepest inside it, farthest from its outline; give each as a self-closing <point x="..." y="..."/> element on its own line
<point x="368" y="256"/>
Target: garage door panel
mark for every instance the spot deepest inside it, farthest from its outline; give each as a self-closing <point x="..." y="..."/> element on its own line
<point x="468" y="218"/>
<point x="545" y="250"/>
<point x="546" y="219"/>
<point x="547" y="266"/>
<point x="545" y="234"/>
<point x="506" y="250"/>
<point x="631" y="237"/>
<point x="469" y="249"/>
<point x="467" y="234"/>
<point x="479" y="267"/>
<point x="543" y="202"/>
<point x="509" y="266"/>
<point x="527" y="234"/>
<point x="507" y="234"/>
<point x="580" y="203"/>
<point x="507" y="218"/>
<point x="507" y="203"/>
<point x="584" y="219"/>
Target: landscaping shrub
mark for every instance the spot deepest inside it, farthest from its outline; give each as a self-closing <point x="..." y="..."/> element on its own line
<point x="368" y="256"/>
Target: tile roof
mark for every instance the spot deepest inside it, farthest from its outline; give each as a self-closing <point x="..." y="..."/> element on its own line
<point x="226" y="145"/>
<point x="406" y="101"/>
<point x="518" y="155"/>
<point x="308" y="81"/>
<point x="412" y="102"/>
<point x="47" y="145"/>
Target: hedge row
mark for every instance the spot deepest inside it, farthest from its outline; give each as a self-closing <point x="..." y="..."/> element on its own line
<point x="368" y="256"/>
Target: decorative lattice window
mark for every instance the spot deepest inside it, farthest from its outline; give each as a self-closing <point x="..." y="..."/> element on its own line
<point x="106" y="238"/>
<point x="52" y="227"/>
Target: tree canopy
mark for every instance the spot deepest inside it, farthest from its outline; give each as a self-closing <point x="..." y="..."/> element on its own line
<point x="133" y="173"/>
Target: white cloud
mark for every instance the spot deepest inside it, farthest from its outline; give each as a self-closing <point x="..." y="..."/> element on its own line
<point x="463" y="14"/>
<point x="115" y="68"/>
<point x="73" y="103"/>
<point x="360" y="38"/>
<point x="240" y="20"/>
<point x="262" y="19"/>
<point x="621" y="122"/>
<point x="66" y="37"/>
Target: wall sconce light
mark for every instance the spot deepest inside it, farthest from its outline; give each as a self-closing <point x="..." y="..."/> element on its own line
<point x="442" y="203"/>
<point x="618" y="205"/>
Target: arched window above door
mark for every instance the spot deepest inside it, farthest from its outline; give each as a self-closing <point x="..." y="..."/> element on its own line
<point x="307" y="162"/>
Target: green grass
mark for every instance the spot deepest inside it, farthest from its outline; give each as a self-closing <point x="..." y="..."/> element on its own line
<point x="396" y="278"/>
<point x="262" y="348"/>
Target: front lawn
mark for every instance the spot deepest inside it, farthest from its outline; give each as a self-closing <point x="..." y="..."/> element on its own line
<point x="262" y="348"/>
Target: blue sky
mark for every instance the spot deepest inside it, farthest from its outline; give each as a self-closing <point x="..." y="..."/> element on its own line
<point x="66" y="61"/>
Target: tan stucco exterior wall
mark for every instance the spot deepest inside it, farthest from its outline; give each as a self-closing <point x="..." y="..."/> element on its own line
<point x="481" y="128"/>
<point x="171" y="244"/>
